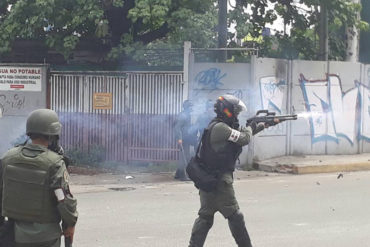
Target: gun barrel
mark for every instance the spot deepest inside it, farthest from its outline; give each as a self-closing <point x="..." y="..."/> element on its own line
<point x="288" y="117"/>
<point x="268" y="118"/>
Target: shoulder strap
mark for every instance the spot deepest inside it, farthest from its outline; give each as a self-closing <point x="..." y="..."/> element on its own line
<point x="202" y="140"/>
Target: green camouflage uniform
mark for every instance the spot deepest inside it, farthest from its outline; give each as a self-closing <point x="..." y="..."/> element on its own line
<point x="223" y="198"/>
<point x="33" y="171"/>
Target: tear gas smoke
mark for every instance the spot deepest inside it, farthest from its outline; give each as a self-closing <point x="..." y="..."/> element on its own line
<point x="307" y="115"/>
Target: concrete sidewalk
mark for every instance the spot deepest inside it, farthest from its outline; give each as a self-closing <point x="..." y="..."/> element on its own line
<point x="315" y="163"/>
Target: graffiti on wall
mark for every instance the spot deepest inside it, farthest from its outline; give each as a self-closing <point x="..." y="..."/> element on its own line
<point x="210" y="78"/>
<point x="272" y="93"/>
<point x="365" y="116"/>
<point x="9" y="103"/>
<point x="334" y="113"/>
<point x="237" y="93"/>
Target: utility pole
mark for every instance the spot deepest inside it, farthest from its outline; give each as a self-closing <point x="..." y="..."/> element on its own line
<point x="353" y="38"/>
<point x="323" y="32"/>
<point x="222" y="30"/>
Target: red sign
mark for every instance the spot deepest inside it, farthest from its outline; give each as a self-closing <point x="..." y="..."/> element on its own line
<point x="16" y="86"/>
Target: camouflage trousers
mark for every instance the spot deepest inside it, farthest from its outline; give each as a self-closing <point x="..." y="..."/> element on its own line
<point x="221" y="200"/>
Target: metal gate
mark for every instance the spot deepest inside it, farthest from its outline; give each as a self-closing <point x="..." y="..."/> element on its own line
<point x="139" y="126"/>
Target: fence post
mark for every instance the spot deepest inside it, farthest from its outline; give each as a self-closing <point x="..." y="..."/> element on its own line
<point x="187" y="50"/>
<point x="251" y="107"/>
<point x="289" y="107"/>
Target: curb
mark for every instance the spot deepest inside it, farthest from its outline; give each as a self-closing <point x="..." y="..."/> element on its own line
<point x="331" y="168"/>
<point x="309" y="165"/>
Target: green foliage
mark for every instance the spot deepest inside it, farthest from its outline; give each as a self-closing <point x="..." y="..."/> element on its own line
<point x="58" y="23"/>
<point x="152" y="13"/>
<point x="303" y="21"/>
<point x="130" y="28"/>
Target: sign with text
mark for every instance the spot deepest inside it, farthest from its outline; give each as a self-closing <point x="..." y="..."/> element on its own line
<point x="20" y="78"/>
<point x="102" y="101"/>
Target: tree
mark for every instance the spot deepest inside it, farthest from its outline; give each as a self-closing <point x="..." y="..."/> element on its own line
<point x="303" y="18"/>
<point x="61" y="24"/>
<point x="133" y="29"/>
<point x="124" y="26"/>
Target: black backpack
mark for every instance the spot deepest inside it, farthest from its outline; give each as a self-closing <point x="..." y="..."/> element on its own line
<point x="197" y="171"/>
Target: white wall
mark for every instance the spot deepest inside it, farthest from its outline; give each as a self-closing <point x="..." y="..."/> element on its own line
<point x="333" y="97"/>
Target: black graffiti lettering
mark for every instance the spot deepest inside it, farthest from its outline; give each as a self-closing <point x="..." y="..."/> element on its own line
<point x="17" y="102"/>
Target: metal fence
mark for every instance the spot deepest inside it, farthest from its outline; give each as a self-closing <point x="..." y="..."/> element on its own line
<point x="139" y="126"/>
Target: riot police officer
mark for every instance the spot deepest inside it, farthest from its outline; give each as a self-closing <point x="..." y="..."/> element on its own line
<point x="186" y="136"/>
<point x="220" y="147"/>
<point x="35" y="186"/>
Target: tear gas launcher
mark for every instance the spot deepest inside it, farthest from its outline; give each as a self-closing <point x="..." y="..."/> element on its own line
<point x="264" y="116"/>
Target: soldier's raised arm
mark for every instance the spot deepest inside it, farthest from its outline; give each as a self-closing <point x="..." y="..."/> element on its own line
<point x="222" y="132"/>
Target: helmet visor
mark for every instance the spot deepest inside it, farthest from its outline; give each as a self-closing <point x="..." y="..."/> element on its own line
<point x="240" y="107"/>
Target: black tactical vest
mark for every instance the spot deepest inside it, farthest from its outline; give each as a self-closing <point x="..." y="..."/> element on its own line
<point x="223" y="160"/>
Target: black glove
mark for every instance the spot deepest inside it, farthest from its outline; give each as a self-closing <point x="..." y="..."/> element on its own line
<point x="253" y="125"/>
<point x="256" y="128"/>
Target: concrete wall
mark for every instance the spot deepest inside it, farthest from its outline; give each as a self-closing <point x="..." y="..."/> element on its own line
<point x="270" y="78"/>
<point x="23" y="88"/>
<point x="365" y="109"/>
<point x="332" y="100"/>
<point x="207" y="81"/>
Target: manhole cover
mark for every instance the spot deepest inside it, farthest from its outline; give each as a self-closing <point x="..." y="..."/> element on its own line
<point x="122" y="189"/>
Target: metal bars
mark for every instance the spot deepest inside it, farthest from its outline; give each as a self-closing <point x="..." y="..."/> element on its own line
<point x="138" y="127"/>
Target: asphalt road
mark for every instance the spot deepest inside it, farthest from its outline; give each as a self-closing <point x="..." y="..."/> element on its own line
<point x="317" y="210"/>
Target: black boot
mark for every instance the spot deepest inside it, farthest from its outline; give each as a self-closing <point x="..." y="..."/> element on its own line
<point x="200" y="230"/>
<point x="238" y="230"/>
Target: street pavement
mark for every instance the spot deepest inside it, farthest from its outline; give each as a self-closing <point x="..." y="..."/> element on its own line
<point x="281" y="210"/>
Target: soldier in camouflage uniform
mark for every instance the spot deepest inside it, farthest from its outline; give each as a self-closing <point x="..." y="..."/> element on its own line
<point x="35" y="186"/>
<point x="219" y="151"/>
